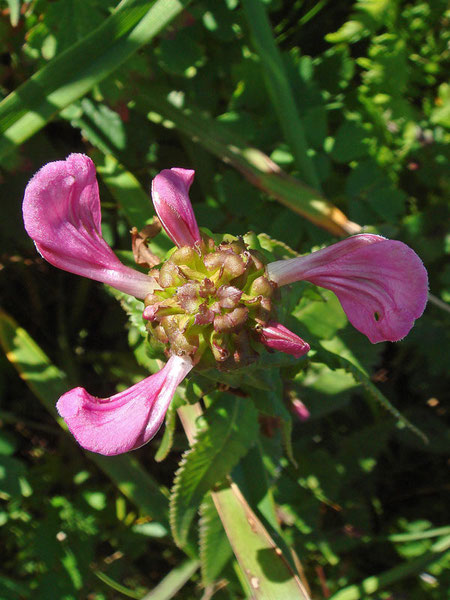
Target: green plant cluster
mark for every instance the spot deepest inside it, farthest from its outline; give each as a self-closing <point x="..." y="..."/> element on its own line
<point x="305" y="120"/>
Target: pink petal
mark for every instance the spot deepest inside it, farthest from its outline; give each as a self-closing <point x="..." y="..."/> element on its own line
<point x="381" y="284"/>
<point x="126" y="420"/>
<point x="278" y="337"/>
<point x="170" y="194"/>
<point x="61" y="211"/>
<point x="300" y="410"/>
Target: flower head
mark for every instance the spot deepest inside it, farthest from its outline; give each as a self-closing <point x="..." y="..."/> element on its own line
<point x="209" y="304"/>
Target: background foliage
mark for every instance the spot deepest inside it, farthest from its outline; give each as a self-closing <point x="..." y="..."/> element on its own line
<point x="350" y="99"/>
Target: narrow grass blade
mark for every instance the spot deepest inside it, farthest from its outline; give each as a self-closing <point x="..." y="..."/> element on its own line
<point x="118" y="587"/>
<point x="256" y="166"/>
<point x="373" y="584"/>
<point x="47" y="382"/>
<point x="133" y="24"/>
<point x="279" y="89"/>
<point x="268" y="572"/>
<point x="174" y="581"/>
<point x="131" y="198"/>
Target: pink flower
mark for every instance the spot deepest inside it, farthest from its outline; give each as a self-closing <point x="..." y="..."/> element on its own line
<point x="381" y="284"/>
<point x="278" y="337"/>
<point x="127" y="420"/>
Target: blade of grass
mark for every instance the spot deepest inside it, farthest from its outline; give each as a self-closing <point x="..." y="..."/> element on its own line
<point x="118" y="587"/>
<point x="55" y="86"/>
<point x="47" y="382"/>
<point x="266" y="570"/>
<point x="131" y="197"/>
<point x="174" y="581"/>
<point x="256" y="166"/>
<point x="413" y="567"/>
<point x="279" y="89"/>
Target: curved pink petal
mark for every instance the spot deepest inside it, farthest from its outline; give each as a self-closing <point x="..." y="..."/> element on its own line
<point x="381" y="284"/>
<point x="126" y="420"/>
<point x="278" y="337"/>
<point x="170" y="194"/>
<point x="61" y="212"/>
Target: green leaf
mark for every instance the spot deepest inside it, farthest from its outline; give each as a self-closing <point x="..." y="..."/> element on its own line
<point x="118" y="587"/>
<point x="70" y="21"/>
<point x="181" y="54"/>
<point x="232" y="426"/>
<point x="102" y="126"/>
<point x="14" y="11"/>
<point x="133" y="24"/>
<point x="350" y="142"/>
<point x="440" y="115"/>
<point x="8" y="443"/>
<point x="12" y="590"/>
<point x="252" y="478"/>
<point x="12" y="473"/>
<point x="323" y="319"/>
<point x="133" y="308"/>
<point x="215" y="549"/>
<point x="279" y="88"/>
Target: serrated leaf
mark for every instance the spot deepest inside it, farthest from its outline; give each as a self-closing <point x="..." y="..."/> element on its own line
<point x="232" y="427"/>
<point x="215" y="549"/>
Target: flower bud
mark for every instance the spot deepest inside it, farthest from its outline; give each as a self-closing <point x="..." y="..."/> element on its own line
<point x="231" y="321"/>
<point x="171" y="276"/>
<point x="261" y="286"/>
<point x="300" y="410"/>
<point x="228" y="296"/>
